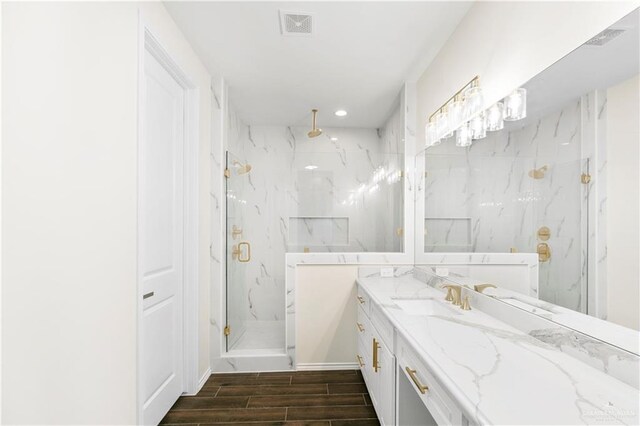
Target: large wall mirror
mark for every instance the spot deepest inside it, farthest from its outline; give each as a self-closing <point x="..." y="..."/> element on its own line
<point x="559" y="183"/>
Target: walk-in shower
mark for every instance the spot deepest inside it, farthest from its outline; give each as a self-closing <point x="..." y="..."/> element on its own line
<point x="291" y="190"/>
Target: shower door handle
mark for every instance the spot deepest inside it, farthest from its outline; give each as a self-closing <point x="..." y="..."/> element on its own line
<point x="248" y="254"/>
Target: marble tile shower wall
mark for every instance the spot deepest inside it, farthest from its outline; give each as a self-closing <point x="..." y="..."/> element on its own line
<point x="340" y="192"/>
<point x="485" y="199"/>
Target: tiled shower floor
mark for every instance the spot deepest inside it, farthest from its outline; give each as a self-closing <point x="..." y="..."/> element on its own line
<point x="264" y="335"/>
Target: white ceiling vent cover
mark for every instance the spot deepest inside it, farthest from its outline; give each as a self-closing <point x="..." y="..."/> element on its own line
<point x="604" y="37"/>
<point x="296" y="23"/>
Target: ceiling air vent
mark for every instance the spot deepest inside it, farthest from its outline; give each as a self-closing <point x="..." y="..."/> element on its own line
<point x="604" y="37"/>
<point x="296" y="23"/>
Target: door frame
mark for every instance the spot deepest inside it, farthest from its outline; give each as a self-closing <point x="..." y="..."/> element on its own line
<point x="149" y="42"/>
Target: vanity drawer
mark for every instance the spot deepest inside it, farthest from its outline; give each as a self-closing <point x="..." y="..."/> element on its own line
<point x="435" y="398"/>
<point x="362" y="358"/>
<point x="383" y="327"/>
<point x="363" y="300"/>
<point x="363" y="325"/>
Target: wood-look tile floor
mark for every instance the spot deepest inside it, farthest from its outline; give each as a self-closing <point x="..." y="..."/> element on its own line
<point x="318" y="398"/>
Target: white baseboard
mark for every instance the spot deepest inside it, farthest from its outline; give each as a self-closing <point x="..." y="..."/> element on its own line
<point x="327" y="366"/>
<point x="201" y="382"/>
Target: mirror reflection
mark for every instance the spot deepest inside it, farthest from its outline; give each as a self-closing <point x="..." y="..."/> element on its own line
<point x="553" y="183"/>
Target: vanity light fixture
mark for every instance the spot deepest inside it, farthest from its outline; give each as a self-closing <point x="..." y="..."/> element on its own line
<point x="474" y="100"/>
<point x="340" y="113"/>
<point x="477" y="127"/>
<point x="463" y="136"/>
<point x="442" y="125"/>
<point x="431" y="134"/>
<point x="494" y="117"/>
<point x="454" y="112"/>
<point x="334" y="139"/>
<point x="310" y="167"/>
<point x="515" y="105"/>
<point x="463" y="114"/>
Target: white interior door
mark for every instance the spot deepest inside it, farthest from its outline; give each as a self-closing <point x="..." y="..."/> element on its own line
<point x="161" y="246"/>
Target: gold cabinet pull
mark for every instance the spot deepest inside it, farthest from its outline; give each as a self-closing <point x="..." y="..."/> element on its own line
<point x="376" y="346"/>
<point x="360" y="326"/>
<point x="360" y="362"/>
<point x="244" y="259"/>
<point x="360" y="299"/>
<point x="412" y="373"/>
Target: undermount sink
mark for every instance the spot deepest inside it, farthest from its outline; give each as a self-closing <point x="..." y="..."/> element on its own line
<point x="424" y="307"/>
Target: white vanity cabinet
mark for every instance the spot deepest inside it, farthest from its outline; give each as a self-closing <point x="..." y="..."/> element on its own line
<point x="402" y="389"/>
<point x="376" y="359"/>
<point x="430" y="393"/>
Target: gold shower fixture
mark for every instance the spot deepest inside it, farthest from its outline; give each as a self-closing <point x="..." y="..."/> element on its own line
<point x="315" y="132"/>
<point x="242" y="168"/>
<point x="538" y="173"/>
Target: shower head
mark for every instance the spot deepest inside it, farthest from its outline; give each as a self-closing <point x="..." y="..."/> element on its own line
<point x="315" y="132"/>
<point x="242" y="168"/>
<point x="538" y="173"/>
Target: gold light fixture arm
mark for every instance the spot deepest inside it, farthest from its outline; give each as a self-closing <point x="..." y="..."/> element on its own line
<point x="475" y="81"/>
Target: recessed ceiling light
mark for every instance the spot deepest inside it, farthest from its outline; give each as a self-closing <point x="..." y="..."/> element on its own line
<point x="311" y="167"/>
<point x="333" y="139"/>
<point x="341" y="113"/>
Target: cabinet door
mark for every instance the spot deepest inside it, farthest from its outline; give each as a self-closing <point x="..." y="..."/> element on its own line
<point x="372" y="373"/>
<point x="363" y="357"/>
<point x="386" y="385"/>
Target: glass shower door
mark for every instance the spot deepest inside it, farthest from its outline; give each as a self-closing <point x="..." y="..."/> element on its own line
<point x="561" y="232"/>
<point x="238" y="249"/>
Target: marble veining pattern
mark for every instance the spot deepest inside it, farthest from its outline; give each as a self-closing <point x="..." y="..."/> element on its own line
<point x="365" y="174"/>
<point x="491" y="368"/>
<point x="491" y="185"/>
<point x="608" y="347"/>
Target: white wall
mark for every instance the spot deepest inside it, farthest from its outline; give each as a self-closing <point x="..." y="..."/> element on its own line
<point x="69" y="144"/>
<point x="326" y="314"/>
<point x="623" y="139"/>
<point x="69" y="225"/>
<point x="507" y="44"/>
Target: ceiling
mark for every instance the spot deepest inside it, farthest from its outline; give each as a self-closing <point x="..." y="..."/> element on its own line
<point x="356" y="60"/>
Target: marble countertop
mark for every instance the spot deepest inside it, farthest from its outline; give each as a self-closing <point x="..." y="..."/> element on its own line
<point x="498" y="374"/>
<point x="617" y="335"/>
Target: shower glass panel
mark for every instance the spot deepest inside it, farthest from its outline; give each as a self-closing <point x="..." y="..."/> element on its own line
<point x="236" y="270"/>
<point x="250" y="328"/>
<point x="341" y="191"/>
<point x="477" y="203"/>
<point x="561" y="206"/>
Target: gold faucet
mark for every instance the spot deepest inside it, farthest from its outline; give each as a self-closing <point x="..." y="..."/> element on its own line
<point x="465" y="304"/>
<point x="456" y="291"/>
<point x="481" y="287"/>
<point x="449" y="296"/>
